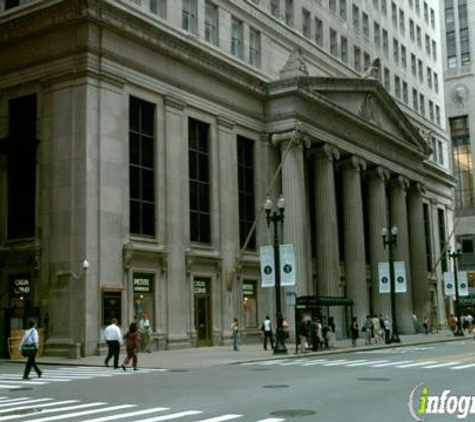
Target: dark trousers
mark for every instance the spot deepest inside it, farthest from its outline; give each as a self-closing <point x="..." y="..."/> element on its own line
<point x="114" y="350"/>
<point x="131" y="356"/>
<point x="268" y="335"/>
<point x="31" y="363"/>
<point x="387" y="336"/>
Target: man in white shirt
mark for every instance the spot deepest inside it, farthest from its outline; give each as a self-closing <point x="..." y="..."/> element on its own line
<point x="266" y="328"/>
<point x="113" y="337"/>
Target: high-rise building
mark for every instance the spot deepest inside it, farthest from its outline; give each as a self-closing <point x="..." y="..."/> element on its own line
<point x="458" y="35"/>
<point x="140" y="138"/>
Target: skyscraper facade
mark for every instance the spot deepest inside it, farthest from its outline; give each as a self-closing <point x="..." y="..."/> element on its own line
<point x="140" y="138"/>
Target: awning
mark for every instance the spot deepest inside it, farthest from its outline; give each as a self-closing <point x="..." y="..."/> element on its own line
<point x="311" y="302"/>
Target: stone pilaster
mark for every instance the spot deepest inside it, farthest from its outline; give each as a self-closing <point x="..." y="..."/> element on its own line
<point x="354" y="241"/>
<point x="398" y="218"/>
<point x="377" y="206"/>
<point x="420" y="286"/>
<point x="326" y="222"/>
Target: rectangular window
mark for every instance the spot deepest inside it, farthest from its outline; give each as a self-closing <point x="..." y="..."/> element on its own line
<point x="384" y="7"/>
<point x="249" y="304"/>
<point x="431" y="110"/>
<point x="428" y="45"/>
<point x="442" y="237"/>
<point x="318" y="32"/>
<point x="158" y="7"/>
<point x="412" y="33"/>
<point x="344" y="49"/>
<point x="199" y="177"/>
<point x="441" y="152"/>
<point x="245" y="153"/>
<point x="333" y="42"/>
<point x="275" y="8"/>
<point x="436" y="83"/>
<point x="402" y="22"/>
<point x="376" y="4"/>
<point x="426" y="13"/>
<point x="21" y="167"/>
<point x="289" y="12"/>
<point x="432" y="18"/>
<point x="420" y="69"/>
<point x="387" y="79"/>
<point x="465" y="47"/>
<point x="142" y="167"/>
<point x="385" y="43"/>
<point x="9" y="4"/>
<point x="396" y="50"/>
<point x="365" y="26"/>
<point x="437" y="114"/>
<point x="397" y="87"/>
<point x="418" y="9"/>
<point x="357" y="58"/>
<point x="405" y="93"/>
<point x="366" y="61"/>
<point x="356" y="17"/>
<point x="306" y="23"/>
<point x="332" y="5"/>
<point x="254" y="47"/>
<point x="413" y="64"/>
<point x="237" y="38"/>
<point x="428" y="237"/>
<point x="343" y="10"/>
<point x="403" y="57"/>
<point x="377" y="34"/>
<point x="429" y="77"/>
<point x="415" y="102"/>
<point x="189" y="16"/>
<point x="434" y="50"/>
<point x="422" y="104"/>
<point x="211" y="23"/>
<point x="419" y="36"/>
<point x="394" y="14"/>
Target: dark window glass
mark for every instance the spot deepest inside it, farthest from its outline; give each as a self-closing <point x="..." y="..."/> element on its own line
<point x="428" y="237"/>
<point x="198" y="158"/>
<point x="245" y="152"/>
<point x="442" y="237"/>
<point x="21" y="173"/>
<point x="11" y="3"/>
<point x="142" y="167"/>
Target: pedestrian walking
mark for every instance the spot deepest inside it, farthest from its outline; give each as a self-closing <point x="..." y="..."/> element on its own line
<point x="266" y="328"/>
<point x="113" y="337"/>
<point x="387" y="330"/>
<point x="425" y="324"/>
<point x="331" y="333"/>
<point x="235" y="329"/>
<point x="377" y="331"/>
<point x="367" y="329"/>
<point x="452" y="322"/>
<point x="355" y="329"/>
<point x="145" y="333"/>
<point x="131" y="346"/>
<point x="28" y="347"/>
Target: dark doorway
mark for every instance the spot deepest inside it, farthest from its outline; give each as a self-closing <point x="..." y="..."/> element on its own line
<point x="203" y="318"/>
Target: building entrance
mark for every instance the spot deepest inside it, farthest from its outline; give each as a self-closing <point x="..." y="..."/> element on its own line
<point x="203" y="318"/>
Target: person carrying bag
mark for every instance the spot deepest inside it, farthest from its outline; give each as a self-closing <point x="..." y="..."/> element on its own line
<point x="29" y="349"/>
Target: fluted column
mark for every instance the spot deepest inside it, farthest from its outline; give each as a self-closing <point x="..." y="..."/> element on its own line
<point x="420" y="286"/>
<point x="377" y="208"/>
<point x="326" y="222"/>
<point x="354" y="241"/>
<point x="296" y="222"/>
<point x="398" y="218"/>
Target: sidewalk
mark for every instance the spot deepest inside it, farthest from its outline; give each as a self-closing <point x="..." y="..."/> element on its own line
<point x="205" y="357"/>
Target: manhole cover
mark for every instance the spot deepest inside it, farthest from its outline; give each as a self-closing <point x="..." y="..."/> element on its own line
<point x="292" y="413"/>
<point x="276" y="386"/>
<point x="373" y="379"/>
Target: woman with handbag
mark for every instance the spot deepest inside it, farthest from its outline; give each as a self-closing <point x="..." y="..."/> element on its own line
<point x="29" y="349"/>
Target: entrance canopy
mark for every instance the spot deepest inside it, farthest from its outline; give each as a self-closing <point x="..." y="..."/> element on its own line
<point x="313" y="302"/>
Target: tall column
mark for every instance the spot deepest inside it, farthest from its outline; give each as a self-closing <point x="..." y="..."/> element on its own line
<point x="326" y="222"/>
<point x="377" y="206"/>
<point x="398" y="218"/>
<point x="420" y="282"/>
<point x="353" y="226"/>
<point x="177" y="216"/>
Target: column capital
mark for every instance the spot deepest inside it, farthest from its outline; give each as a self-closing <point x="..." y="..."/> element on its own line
<point x="418" y="188"/>
<point x="352" y="163"/>
<point x="327" y="151"/>
<point x="297" y="137"/>
<point x="400" y="182"/>
<point x="378" y="172"/>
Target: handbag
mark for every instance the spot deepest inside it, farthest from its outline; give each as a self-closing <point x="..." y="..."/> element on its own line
<point x="28" y="350"/>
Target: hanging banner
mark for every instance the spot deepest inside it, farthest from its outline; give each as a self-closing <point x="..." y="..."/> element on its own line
<point x="462" y="282"/>
<point x="449" y="285"/>
<point x="267" y="266"/>
<point x="383" y="275"/>
<point x="287" y="265"/>
<point x="400" y="277"/>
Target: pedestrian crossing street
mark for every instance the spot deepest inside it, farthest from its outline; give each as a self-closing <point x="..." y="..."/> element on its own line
<point x="370" y="363"/>
<point x="48" y="409"/>
<point x="64" y="374"/>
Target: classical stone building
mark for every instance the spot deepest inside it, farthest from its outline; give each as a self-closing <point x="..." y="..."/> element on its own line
<point x="139" y="140"/>
<point x="458" y="23"/>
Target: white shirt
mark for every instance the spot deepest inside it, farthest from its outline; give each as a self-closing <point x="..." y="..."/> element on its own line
<point x="113" y="332"/>
<point x="267" y="325"/>
<point x="30" y="337"/>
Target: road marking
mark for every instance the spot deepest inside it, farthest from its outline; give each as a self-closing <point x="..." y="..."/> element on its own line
<point x="21" y="401"/>
<point x="126" y="415"/>
<point x="315" y="362"/>
<point x="28" y="406"/>
<point x="337" y="362"/>
<point x="412" y="365"/>
<point x="168" y="417"/>
<point x="470" y="365"/>
<point x="441" y="365"/>
<point x="221" y="418"/>
<point x="398" y="362"/>
<point x="272" y="420"/>
<point x="366" y="363"/>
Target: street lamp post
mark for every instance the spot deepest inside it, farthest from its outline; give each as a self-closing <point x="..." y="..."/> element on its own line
<point x="275" y="217"/>
<point x="455" y="255"/>
<point x="390" y="239"/>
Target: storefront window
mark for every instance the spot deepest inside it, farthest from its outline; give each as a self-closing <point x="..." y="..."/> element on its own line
<point x="111" y="306"/>
<point x="143" y="296"/>
<point x="249" y="303"/>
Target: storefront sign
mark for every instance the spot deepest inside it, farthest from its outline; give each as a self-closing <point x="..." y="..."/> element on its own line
<point x="20" y="285"/>
<point x="248" y="288"/>
<point x="143" y="283"/>
<point x="200" y="287"/>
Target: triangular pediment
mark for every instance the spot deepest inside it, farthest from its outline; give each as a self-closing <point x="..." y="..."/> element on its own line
<point x="366" y="101"/>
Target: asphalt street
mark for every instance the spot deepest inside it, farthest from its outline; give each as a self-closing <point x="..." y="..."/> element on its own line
<point x="371" y="385"/>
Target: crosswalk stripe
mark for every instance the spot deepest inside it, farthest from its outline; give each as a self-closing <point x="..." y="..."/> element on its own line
<point x="470" y="365"/>
<point x="398" y="362"/>
<point x="17" y="399"/>
<point x="441" y="365"/>
<point x="272" y="420"/>
<point x="366" y="363"/>
<point x="411" y="365"/>
<point x="169" y="417"/>
<point x="24" y="401"/>
<point x="28" y="406"/>
<point x="23" y="382"/>
<point x="221" y="418"/>
<point x="59" y="409"/>
<point x="315" y="362"/>
<point x="336" y="362"/>
<point x="9" y="387"/>
<point x="128" y="414"/>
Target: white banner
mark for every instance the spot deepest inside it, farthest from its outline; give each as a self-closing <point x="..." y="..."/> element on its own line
<point x="462" y="282"/>
<point x="267" y="266"/>
<point x="449" y="284"/>
<point x="400" y="277"/>
<point x="383" y="275"/>
<point x="287" y="265"/>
